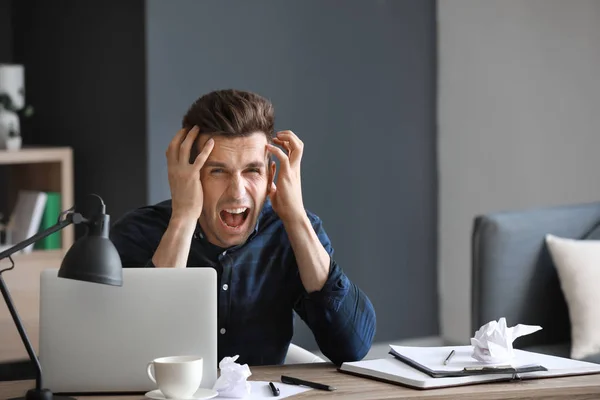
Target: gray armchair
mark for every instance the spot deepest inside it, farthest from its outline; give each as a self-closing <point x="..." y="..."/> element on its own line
<point x="299" y="355"/>
<point x="513" y="275"/>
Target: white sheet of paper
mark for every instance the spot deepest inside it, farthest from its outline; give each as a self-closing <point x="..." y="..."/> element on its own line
<point x="261" y="390"/>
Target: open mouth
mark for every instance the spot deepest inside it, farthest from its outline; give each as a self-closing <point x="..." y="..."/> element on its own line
<point x="234" y="218"/>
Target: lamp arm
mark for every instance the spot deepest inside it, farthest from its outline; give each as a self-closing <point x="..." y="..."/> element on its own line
<point x="71" y="218"/>
<point x="38" y="236"/>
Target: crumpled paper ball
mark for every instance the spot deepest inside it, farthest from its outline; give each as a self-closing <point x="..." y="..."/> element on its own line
<point x="492" y="343"/>
<point x="233" y="379"/>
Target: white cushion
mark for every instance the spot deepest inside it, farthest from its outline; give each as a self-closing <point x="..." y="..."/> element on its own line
<point x="578" y="267"/>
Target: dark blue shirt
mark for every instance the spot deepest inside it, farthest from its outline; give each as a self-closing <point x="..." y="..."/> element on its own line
<point x="260" y="287"/>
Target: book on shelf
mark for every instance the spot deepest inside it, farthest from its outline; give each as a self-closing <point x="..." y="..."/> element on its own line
<point x="26" y="217"/>
<point x="34" y="211"/>
<point x="50" y="216"/>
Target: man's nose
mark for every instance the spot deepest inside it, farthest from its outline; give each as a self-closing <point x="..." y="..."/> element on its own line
<point x="237" y="188"/>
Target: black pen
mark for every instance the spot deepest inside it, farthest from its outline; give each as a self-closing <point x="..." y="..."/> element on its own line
<point x="274" y="389"/>
<point x="314" y="385"/>
<point x="447" y="360"/>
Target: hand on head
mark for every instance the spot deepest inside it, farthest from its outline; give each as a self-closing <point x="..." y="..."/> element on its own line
<point x="187" y="188"/>
<point x="184" y="177"/>
<point x="286" y="194"/>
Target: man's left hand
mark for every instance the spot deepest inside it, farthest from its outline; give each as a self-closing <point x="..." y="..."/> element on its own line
<point x="286" y="194"/>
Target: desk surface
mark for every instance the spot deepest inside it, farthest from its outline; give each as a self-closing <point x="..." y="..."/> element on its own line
<point x="351" y="387"/>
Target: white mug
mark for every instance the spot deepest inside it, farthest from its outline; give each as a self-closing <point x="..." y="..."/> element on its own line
<point x="177" y="377"/>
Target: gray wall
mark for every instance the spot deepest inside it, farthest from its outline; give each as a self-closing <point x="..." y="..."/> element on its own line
<point x="356" y="81"/>
<point x="519" y="121"/>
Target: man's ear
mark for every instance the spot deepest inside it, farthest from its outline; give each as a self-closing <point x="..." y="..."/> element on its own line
<point x="272" y="170"/>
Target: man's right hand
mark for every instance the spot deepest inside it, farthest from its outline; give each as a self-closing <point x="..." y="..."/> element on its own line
<point x="186" y="199"/>
<point x="184" y="177"/>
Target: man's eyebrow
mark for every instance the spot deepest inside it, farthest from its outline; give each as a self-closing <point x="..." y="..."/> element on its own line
<point x="215" y="164"/>
<point x="256" y="164"/>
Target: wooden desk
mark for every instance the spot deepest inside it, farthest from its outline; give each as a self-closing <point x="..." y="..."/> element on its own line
<point x="351" y="387"/>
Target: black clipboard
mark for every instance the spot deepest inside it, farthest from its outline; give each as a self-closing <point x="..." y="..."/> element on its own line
<point x="468" y="371"/>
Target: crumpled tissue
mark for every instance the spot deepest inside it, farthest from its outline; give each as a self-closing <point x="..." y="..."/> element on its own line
<point x="233" y="379"/>
<point x="493" y="341"/>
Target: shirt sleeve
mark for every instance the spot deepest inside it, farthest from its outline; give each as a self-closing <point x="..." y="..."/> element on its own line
<point x="134" y="247"/>
<point x="340" y="315"/>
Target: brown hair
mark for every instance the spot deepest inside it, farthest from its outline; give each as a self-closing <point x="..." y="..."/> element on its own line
<point x="231" y="113"/>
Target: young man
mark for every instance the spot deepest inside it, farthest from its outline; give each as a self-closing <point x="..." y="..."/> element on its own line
<point x="227" y="212"/>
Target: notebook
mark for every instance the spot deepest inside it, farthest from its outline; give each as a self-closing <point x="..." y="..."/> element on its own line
<point x="423" y="367"/>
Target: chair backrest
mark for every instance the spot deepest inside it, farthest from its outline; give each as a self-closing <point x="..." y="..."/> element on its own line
<point x="513" y="275"/>
<point x="299" y="355"/>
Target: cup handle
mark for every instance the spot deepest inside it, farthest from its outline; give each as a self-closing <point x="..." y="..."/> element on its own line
<point x="150" y="374"/>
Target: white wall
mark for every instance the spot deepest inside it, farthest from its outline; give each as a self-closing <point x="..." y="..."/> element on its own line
<point x="519" y="121"/>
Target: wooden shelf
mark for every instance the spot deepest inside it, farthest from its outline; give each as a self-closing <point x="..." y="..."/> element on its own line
<point x="40" y="256"/>
<point x="48" y="169"/>
<point x="32" y="168"/>
<point x="29" y="155"/>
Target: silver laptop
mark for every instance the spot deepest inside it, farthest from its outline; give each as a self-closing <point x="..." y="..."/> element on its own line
<point x="99" y="339"/>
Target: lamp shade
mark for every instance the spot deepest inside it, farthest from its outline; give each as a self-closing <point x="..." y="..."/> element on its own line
<point x="93" y="259"/>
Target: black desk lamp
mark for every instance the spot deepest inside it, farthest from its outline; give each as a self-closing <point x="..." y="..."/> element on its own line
<point x="92" y="258"/>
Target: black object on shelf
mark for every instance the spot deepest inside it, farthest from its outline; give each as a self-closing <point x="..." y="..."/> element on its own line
<point x="93" y="258"/>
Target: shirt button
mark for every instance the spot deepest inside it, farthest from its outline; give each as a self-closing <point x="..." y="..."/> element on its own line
<point x="224" y="253"/>
<point x="222" y="331"/>
<point x="225" y="287"/>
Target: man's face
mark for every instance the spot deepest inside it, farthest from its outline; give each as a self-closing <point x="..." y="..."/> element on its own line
<point x="234" y="179"/>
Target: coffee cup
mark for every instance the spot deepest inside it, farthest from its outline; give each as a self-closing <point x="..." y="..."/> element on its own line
<point x="177" y="377"/>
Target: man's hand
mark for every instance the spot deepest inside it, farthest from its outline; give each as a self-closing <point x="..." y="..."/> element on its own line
<point x="186" y="199"/>
<point x="286" y="197"/>
<point x="286" y="194"/>
<point x="184" y="177"/>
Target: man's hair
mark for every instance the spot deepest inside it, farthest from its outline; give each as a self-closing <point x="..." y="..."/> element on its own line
<point x="230" y="113"/>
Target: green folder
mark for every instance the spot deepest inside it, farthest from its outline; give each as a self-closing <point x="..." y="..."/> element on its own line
<point x="49" y="218"/>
